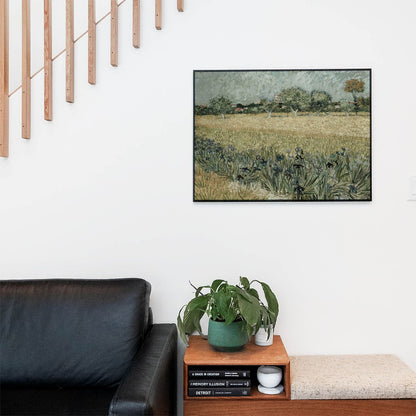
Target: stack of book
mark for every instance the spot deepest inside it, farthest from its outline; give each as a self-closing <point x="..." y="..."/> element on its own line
<point x="218" y="382"/>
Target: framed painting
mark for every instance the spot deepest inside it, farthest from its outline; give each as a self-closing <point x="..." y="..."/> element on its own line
<point x="282" y="135"/>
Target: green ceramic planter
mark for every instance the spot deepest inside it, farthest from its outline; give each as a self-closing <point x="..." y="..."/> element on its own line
<point x="227" y="338"/>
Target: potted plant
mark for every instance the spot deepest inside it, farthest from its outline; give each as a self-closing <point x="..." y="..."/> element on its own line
<point x="234" y="312"/>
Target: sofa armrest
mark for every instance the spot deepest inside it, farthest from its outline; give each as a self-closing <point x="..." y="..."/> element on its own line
<point x="149" y="386"/>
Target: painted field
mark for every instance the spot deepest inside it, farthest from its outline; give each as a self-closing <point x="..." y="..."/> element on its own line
<point x="324" y="133"/>
<point x="209" y="186"/>
<point x="304" y="157"/>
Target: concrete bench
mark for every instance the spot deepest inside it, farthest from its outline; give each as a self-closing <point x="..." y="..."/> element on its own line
<point x="352" y="385"/>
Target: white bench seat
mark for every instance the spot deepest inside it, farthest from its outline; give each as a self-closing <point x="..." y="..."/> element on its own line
<point x="341" y="377"/>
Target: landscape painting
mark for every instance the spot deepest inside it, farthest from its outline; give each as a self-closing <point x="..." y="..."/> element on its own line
<point x="282" y="135"/>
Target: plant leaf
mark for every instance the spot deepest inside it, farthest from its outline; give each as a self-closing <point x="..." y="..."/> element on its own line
<point x="249" y="309"/>
<point x="222" y="303"/>
<point x="193" y="314"/>
<point x="181" y="327"/>
<point x="254" y="293"/>
<point x="271" y="299"/>
<point x="245" y="283"/>
<point x="216" y="284"/>
<point x="199" y="290"/>
<point x="230" y="317"/>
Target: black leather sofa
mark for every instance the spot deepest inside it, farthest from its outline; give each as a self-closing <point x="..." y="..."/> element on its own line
<point x="84" y="347"/>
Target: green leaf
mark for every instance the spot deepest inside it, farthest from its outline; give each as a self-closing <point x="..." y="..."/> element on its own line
<point x="271" y="299"/>
<point x="199" y="302"/>
<point x="266" y="318"/>
<point x="250" y="310"/>
<point x="194" y="312"/>
<point x="245" y="283"/>
<point x="248" y="329"/>
<point x="246" y="295"/>
<point x="230" y="317"/>
<point x="258" y="325"/>
<point x="216" y="284"/>
<point x="214" y="315"/>
<point x="181" y="327"/>
<point x="222" y="303"/>
<point x="222" y="307"/>
<point x="254" y="293"/>
<point x="191" y="322"/>
<point x="196" y="316"/>
<point x="241" y="292"/>
<point x="199" y="290"/>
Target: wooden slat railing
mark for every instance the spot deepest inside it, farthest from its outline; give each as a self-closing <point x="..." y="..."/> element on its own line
<point x="48" y="58"/>
<point x="4" y="78"/>
<point x="158" y="14"/>
<point x="92" y="36"/>
<point x="180" y="5"/>
<point x="114" y="33"/>
<point x="136" y="23"/>
<point x="69" y="51"/>
<point x="26" y="80"/>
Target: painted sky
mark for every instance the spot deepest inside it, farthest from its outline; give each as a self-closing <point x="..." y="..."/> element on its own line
<point x="248" y="86"/>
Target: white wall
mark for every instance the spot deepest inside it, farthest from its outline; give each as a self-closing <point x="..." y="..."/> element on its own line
<point x="106" y="188"/>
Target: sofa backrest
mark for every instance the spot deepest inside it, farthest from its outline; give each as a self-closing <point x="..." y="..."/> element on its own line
<point x="69" y="331"/>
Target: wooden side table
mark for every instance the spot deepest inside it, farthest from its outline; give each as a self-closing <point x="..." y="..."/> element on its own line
<point x="200" y="354"/>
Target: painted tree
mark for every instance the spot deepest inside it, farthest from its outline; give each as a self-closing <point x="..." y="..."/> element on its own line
<point x="296" y="99"/>
<point x="346" y="106"/>
<point x="220" y="105"/>
<point x="364" y="103"/>
<point x="354" y="86"/>
<point x="320" y="101"/>
<point x="268" y="106"/>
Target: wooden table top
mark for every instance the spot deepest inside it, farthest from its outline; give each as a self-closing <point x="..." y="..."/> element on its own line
<point x="200" y="352"/>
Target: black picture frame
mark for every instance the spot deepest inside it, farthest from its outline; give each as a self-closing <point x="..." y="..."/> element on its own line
<point x="365" y="190"/>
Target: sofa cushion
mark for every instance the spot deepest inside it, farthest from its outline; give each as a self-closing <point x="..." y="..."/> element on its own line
<point x="70" y="332"/>
<point x="351" y="377"/>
